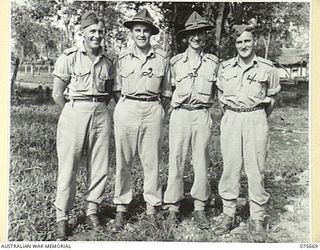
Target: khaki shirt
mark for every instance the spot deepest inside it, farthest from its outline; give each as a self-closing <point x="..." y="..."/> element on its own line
<point x="83" y="76"/>
<point x="193" y="86"/>
<point x="250" y="86"/>
<point x="147" y="76"/>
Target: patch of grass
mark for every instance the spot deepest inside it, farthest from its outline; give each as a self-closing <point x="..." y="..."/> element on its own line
<point x="33" y="173"/>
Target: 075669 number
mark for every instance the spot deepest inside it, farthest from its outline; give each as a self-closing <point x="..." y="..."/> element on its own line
<point x="308" y="245"/>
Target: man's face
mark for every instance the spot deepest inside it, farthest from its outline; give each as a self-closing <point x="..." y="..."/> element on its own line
<point x="93" y="35"/>
<point x="245" y="45"/>
<point x="197" y="39"/>
<point x="141" y="35"/>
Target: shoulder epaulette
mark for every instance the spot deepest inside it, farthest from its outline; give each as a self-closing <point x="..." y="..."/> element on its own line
<point x="70" y="50"/>
<point x="123" y="54"/>
<point x="227" y="63"/>
<point x="212" y="58"/>
<point x="266" y="61"/>
<point x="176" y="58"/>
<point x="105" y="54"/>
<point x="161" y="53"/>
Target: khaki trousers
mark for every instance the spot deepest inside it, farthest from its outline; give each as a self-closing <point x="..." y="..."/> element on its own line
<point x="82" y="126"/>
<point x="189" y="127"/>
<point x="244" y="141"/>
<point x="138" y="128"/>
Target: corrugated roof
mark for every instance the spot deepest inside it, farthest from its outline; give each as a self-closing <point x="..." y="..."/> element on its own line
<point x="291" y="56"/>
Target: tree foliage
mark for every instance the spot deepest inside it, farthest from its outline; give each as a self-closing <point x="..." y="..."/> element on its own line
<point x="41" y="27"/>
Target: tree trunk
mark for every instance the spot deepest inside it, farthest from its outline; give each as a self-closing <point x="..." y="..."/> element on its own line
<point x="14" y="74"/>
<point x="174" y="40"/>
<point x="267" y="43"/>
<point x="219" y="25"/>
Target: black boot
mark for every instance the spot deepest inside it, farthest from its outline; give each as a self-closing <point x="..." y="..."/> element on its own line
<point x="62" y="230"/>
<point x="257" y="231"/>
<point x="119" y="222"/>
<point x="225" y="225"/>
<point x="94" y="223"/>
<point x="201" y="219"/>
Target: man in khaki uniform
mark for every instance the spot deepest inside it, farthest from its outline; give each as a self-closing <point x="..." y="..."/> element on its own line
<point x="142" y="83"/>
<point x="193" y="77"/>
<point x="82" y="77"/>
<point x="248" y="86"/>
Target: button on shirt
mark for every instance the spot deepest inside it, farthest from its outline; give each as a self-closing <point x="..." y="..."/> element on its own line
<point x="84" y="77"/>
<point x="250" y="86"/>
<point x="193" y="86"/>
<point x="143" y="76"/>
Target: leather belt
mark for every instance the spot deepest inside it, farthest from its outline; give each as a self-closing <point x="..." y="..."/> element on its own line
<point x="239" y="110"/>
<point x="191" y="108"/>
<point x="143" y="99"/>
<point x="88" y="99"/>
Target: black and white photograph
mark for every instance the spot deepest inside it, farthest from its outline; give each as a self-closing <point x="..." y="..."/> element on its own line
<point x="159" y="121"/>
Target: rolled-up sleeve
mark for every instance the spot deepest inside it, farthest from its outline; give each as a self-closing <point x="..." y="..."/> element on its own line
<point x="274" y="82"/>
<point x="166" y="89"/>
<point x="173" y="75"/>
<point x="117" y="85"/>
<point x="219" y="79"/>
<point x="62" y="69"/>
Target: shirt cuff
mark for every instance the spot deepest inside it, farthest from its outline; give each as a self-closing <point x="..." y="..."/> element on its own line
<point x="116" y="88"/>
<point x="166" y="93"/>
<point x="274" y="91"/>
<point x="63" y="77"/>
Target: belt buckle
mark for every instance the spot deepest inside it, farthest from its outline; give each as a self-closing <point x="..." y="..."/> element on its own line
<point x="148" y="99"/>
<point x="94" y="99"/>
<point x="238" y="110"/>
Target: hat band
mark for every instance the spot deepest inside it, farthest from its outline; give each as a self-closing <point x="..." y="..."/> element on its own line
<point x="196" y="24"/>
<point x="138" y="19"/>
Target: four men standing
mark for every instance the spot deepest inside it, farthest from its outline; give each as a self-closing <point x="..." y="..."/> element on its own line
<point x="143" y="85"/>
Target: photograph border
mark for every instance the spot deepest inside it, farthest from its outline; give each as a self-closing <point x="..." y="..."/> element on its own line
<point x="314" y="122"/>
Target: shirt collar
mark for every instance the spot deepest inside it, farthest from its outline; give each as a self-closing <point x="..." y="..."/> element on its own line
<point x="82" y="49"/>
<point x="236" y="60"/>
<point x="133" y="51"/>
<point x="185" y="55"/>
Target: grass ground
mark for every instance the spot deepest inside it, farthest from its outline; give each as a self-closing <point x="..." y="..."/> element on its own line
<point x="33" y="172"/>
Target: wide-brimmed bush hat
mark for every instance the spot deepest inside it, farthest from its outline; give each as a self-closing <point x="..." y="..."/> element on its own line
<point x="195" y="22"/>
<point x="143" y="17"/>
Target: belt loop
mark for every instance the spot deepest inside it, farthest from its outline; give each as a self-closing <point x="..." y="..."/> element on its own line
<point x="159" y="98"/>
<point x="124" y="98"/>
<point x="72" y="103"/>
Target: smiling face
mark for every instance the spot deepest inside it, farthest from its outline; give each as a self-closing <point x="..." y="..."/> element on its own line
<point x="93" y="35"/>
<point x="245" y="45"/>
<point x="141" y="34"/>
<point x="197" y="39"/>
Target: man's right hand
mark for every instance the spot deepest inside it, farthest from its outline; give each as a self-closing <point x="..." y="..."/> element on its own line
<point x="57" y="92"/>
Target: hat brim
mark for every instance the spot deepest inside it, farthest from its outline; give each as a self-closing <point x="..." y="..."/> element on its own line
<point x="129" y="24"/>
<point x="184" y="32"/>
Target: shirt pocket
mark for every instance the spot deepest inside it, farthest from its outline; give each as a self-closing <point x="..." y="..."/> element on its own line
<point x="127" y="80"/>
<point x="258" y="87"/>
<point x="81" y="78"/>
<point x="153" y="81"/>
<point x="205" y="84"/>
<point x="103" y="76"/>
<point x="183" y="83"/>
<point x="229" y="82"/>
